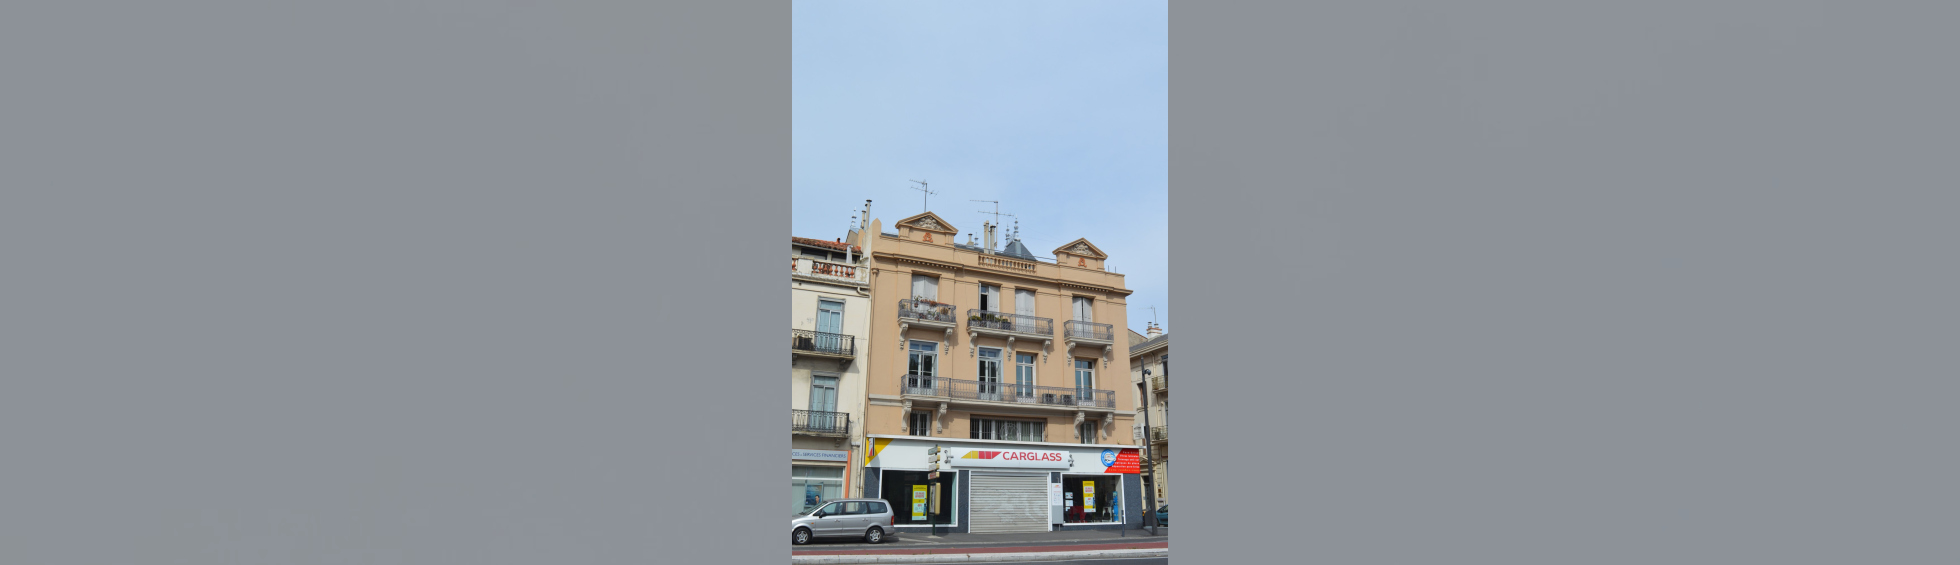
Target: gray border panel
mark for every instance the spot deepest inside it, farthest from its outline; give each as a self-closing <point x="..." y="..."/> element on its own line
<point x="1503" y="282"/>
<point x="383" y="282"/>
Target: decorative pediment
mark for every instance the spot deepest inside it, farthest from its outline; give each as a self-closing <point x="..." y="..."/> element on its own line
<point x="930" y="222"/>
<point x="1082" y="248"/>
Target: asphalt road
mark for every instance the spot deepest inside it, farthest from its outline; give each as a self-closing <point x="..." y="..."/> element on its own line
<point x="1144" y="561"/>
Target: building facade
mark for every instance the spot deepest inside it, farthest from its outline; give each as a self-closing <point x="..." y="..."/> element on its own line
<point x="1151" y="385"/>
<point x="1009" y="363"/>
<point x="830" y="313"/>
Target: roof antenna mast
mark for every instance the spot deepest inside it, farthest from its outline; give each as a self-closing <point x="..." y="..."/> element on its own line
<point x="925" y="200"/>
<point x="996" y="223"/>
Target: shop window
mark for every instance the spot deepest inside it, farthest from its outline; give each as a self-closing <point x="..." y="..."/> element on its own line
<point x="896" y="487"/>
<point x="811" y="486"/>
<point x="1091" y="499"/>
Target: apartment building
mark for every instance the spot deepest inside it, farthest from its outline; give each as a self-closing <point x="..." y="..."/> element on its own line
<point x="1150" y="377"/>
<point x="830" y="312"/>
<point x="993" y="374"/>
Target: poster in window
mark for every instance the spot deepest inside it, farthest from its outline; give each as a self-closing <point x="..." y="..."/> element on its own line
<point x="918" y="502"/>
<point x="812" y="495"/>
<point x="1088" y="496"/>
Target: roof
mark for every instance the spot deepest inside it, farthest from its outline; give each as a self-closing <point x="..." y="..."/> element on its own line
<point x="824" y="244"/>
<point x="1151" y="344"/>
<point x="1015" y="249"/>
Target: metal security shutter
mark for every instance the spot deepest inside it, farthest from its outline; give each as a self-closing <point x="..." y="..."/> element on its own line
<point x="1003" y="503"/>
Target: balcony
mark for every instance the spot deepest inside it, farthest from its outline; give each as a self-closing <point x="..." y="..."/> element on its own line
<point x="1079" y="333"/>
<point x="1009" y="326"/>
<point x="825" y="271"/>
<point x="1160" y="434"/>
<point x="1160" y="383"/>
<point x="1089" y="332"/>
<point x="977" y="393"/>
<point x="922" y="313"/>
<point x="822" y="345"/>
<point x="819" y="423"/>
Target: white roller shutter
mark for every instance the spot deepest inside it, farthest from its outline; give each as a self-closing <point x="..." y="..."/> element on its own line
<point x="1001" y="503"/>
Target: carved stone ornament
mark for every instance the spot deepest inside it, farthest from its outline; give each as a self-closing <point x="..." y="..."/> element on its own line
<point x="1079" y="418"/>
<point x="1080" y="249"/>
<point x="928" y="223"/>
<point x="1109" y="421"/>
<point x="939" y="420"/>
<point x="907" y="407"/>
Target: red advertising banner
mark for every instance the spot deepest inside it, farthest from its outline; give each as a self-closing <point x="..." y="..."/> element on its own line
<point x="1124" y="461"/>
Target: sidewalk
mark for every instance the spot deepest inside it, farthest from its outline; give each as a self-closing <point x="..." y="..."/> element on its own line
<point x="1080" y="544"/>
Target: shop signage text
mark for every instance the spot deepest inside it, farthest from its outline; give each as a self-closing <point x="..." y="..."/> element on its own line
<point x="1012" y="458"/>
<point x="819" y="455"/>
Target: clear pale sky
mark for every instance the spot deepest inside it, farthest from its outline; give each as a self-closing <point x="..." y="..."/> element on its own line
<point x="1059" y="110"/>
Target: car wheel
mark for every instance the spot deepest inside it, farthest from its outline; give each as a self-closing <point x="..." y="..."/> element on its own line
<point x="876" y="535"/>
<point x="800" y="537"/>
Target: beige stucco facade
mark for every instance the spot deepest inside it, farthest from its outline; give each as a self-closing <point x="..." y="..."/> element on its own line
<point x="954" y="394"/>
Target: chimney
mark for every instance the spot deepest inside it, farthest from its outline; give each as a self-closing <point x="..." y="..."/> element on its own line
<point x="1152" y="330"/>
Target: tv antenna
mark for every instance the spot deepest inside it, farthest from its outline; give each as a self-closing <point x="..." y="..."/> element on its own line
<point x="925" y="199"/>
<point x="1153" y="315"/>
<point x="997" y="213"/>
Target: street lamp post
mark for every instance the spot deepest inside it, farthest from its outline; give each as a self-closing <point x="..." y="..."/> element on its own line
<point x="1149" y="462"/>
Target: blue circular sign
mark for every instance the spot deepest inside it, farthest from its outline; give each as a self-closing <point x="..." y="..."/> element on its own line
<point x="1109" y="457"/>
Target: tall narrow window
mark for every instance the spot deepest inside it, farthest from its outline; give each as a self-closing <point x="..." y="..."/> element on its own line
<point x="1024" y="377"/>
<point x="989" y="373"/>
<point x="1024" y="305"/>
<point x="1084" y="309"/>
<point x="920" y="366"/>
<point x="1085" y="382"/>
<point x="1086" y="431"/>
<point x="823" y="405"/>
<point x="989" y="298"/>
<point x="830" y="323"/>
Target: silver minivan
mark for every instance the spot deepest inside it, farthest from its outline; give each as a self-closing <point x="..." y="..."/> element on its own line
<point x="868" y="518"/>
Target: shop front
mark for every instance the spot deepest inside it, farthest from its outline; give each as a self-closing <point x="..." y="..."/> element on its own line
<point x="1006" y="487"/>
<point x="817" y="476"/>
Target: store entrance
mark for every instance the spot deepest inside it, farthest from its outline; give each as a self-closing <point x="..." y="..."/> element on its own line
<point x="896" y="488"/>
<point x="1091" y="499"/>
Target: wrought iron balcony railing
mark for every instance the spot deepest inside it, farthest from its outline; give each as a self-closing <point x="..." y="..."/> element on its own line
<point x="822" y="342"/>
<point x="940" y="387"/>
<point x="819" y="422"/>
<point x="926" y="310"/>
<point x="1002" y="321"/>
<point x="1089" y="330"/>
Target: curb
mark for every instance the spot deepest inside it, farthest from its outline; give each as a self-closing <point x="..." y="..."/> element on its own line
<point x="970" y="557"/>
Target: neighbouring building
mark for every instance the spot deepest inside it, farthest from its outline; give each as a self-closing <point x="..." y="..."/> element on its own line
<point x="1007" y="363"/>
<point x="1150" y="375"/>
<point x="830" y="308"/>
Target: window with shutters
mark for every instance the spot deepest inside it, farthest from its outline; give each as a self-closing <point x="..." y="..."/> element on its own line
<point x="925" y="287"/>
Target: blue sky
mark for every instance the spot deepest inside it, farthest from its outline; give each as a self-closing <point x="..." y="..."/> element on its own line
<point x="1059" y="110"/>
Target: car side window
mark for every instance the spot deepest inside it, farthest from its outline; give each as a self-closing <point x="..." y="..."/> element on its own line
<point x="875" y="507"/>
<point x="853" y="508"/>
<point x="833" y="508"/>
